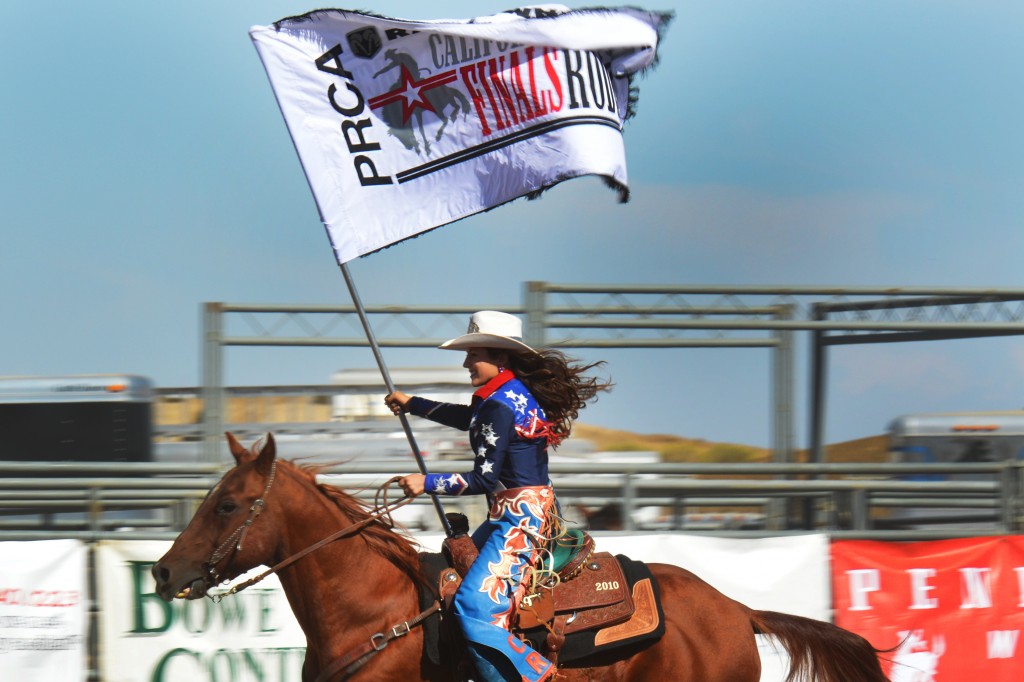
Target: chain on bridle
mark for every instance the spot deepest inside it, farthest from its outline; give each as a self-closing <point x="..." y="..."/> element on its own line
<point x="255" y="509"/>
<point x="349" y="664"/>
<point x="382" y="510"/>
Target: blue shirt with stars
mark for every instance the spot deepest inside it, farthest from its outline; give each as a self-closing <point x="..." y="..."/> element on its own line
<point x="507" y="432"/>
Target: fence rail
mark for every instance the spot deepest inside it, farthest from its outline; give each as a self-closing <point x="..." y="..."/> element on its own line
<point x="92" y="501"/>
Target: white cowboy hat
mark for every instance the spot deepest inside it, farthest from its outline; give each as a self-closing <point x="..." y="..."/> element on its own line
<point x="491" y="329"/>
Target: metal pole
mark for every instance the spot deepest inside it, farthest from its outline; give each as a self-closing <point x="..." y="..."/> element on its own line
<point x="534" y="300"/>
<point x="781" y="512"/>
<point x="391" y="389"/>
<point x="213" y="382"/>
<point x="819" y="368"/>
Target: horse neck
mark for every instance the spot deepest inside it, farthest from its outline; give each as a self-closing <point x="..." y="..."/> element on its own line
<point x="343" y="584"/>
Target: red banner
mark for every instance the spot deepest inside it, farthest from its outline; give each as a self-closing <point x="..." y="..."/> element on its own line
<point x="950" y="610"/>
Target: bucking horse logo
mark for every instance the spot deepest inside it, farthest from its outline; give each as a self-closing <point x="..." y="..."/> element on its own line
<point x="412" y="94"/>
<point x="914" y="660"/>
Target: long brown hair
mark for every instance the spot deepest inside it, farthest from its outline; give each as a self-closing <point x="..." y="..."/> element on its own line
<point x="558" y="383"/>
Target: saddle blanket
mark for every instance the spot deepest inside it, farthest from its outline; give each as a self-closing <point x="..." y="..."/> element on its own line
<point x="577" y="645"/>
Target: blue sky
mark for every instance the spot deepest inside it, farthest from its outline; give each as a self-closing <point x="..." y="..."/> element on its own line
<point x="146" y="169"/>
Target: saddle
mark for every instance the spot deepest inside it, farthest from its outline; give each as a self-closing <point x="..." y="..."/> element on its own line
<point x="580" y="600"/>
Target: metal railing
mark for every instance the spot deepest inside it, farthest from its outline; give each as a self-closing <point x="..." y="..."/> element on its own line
<point x="47" y="500"/>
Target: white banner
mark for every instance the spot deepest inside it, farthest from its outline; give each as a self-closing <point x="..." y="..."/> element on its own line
<point x="788" y="574"/>
<point x="43" y="610"/>
<point x="251" y="636"/>
<point x="403" y="126"/>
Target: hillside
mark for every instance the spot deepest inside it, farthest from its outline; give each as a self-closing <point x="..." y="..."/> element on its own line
<point x="269" y="409"/>
<point x="678" y="449"/>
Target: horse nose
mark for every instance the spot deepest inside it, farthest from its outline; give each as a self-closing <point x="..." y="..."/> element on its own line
<point x="161" y="575"/>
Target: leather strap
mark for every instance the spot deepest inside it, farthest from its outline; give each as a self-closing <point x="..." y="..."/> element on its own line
<point x="354" y="660"/>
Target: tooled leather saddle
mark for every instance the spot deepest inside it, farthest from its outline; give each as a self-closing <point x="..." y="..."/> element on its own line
<point x="597" y="601"/>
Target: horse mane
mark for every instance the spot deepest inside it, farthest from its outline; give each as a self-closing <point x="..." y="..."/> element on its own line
<point x="381" y="537"/>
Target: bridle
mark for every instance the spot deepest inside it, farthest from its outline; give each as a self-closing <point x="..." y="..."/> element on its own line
<point x="354" y="660"/>
<point x="255" y="509"/>
<point x="382" y="510"/>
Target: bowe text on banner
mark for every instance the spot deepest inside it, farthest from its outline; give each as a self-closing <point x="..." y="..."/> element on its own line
<point x="950" y="610"/>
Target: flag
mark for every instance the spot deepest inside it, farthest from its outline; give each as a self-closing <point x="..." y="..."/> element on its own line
<point x="403" y="126"/>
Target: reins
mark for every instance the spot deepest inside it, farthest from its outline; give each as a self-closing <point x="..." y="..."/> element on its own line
<point x="382" y="510"/>
<point x="354" y="660"/>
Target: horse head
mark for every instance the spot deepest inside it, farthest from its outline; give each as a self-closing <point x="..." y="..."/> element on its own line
<point x="224" y="539"/>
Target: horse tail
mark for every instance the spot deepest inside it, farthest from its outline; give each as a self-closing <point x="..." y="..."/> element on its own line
<point x="820" y="651"/>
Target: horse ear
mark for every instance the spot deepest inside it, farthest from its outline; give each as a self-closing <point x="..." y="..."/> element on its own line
<point x="267" y="453"/>
<point x="238" y="450"/>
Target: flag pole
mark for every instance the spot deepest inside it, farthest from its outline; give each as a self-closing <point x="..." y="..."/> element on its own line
<point x="391" y="389"/>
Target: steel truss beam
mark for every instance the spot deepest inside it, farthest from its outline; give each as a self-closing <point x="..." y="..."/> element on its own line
<point x="640" y="316"/>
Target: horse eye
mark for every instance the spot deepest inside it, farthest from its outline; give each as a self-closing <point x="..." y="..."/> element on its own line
<point x="226" y="507"/>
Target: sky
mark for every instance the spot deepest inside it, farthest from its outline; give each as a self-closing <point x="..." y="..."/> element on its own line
<point x="147" y="170"/>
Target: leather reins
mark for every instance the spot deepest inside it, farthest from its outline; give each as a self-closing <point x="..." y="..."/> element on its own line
<point x="354" y="660"/>
<point x="379" y="512"/>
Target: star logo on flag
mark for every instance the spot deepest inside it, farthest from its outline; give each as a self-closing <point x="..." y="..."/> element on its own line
<point x="410" y="92"/>
<point x="518" y="400"/>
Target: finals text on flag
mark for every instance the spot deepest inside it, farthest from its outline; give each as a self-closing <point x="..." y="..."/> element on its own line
<point x="404" y="126"/>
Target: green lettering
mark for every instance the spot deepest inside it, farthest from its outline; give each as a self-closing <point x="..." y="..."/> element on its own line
<point x="264" y="611"/>
<point x="196" y="616"/>
<point x="228" y="658"/>
<point x="284" y="656"/>
<point x="160" y="671"/>
<point x="232" y="611"/>
<point x="141" y="600"/>
<point x="253" y="663"/>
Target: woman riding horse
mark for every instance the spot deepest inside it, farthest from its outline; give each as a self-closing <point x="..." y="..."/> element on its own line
<point x="524" y="402"/>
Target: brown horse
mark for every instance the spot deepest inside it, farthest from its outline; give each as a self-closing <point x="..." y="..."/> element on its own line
<point x="266" y="510"/>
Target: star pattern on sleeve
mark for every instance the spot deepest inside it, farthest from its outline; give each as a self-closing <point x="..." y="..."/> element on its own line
<point x="488" y="434"/>
<point x="482" y="452"/>
<point x="487" y="467"/>
<point x="453" y="484"/>
<point x="519" y="401"/>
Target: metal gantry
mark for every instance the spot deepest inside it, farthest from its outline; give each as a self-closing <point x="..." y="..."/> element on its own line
<point x="642" y="317"/>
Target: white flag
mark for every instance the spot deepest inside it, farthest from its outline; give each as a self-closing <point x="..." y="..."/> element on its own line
<point x="404" y="126"/>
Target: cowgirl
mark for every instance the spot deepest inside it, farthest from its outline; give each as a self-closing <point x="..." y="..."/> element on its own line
<point x="525" y="401"/>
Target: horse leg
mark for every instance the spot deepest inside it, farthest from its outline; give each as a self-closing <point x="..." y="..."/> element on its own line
<point x="423" y="134"/>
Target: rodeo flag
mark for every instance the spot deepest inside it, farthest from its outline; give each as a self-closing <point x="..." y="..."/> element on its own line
<point x="403" y="126"/>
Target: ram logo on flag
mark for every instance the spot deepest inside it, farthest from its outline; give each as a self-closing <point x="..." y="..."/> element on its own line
<point x="403" y="126"/>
